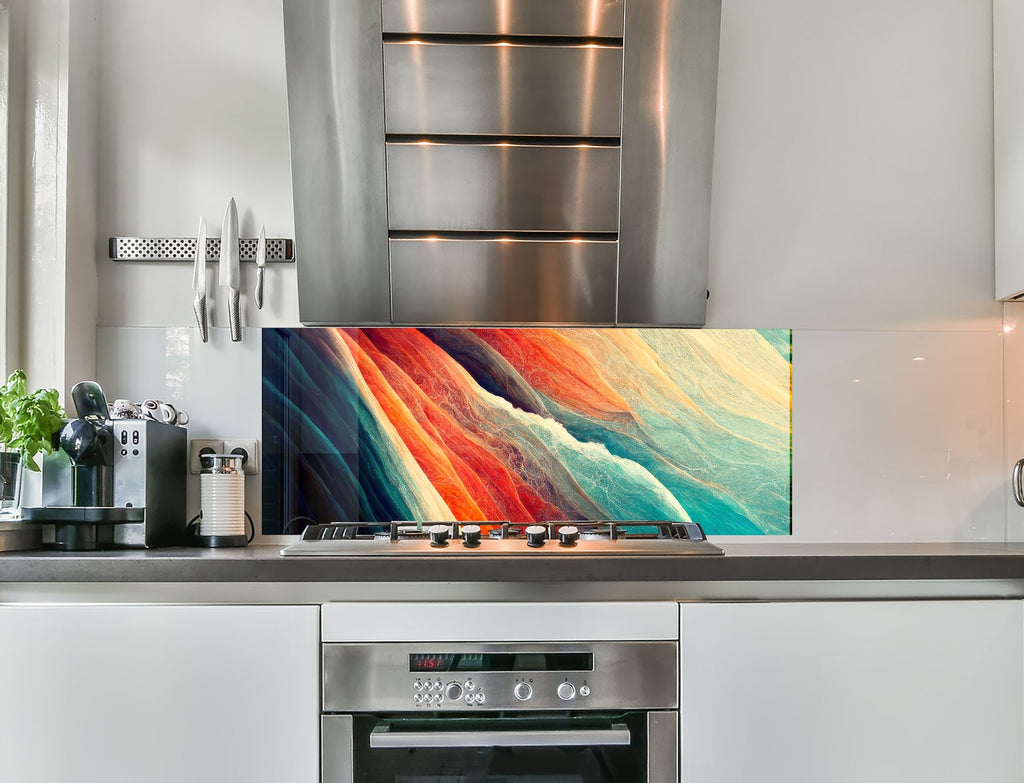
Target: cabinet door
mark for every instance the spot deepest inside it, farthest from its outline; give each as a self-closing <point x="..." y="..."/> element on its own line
<point x="162" y="694"/>
<point x="926" y="691"/>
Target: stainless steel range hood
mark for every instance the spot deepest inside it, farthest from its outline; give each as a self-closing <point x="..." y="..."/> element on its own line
<point x="502" y="161"/>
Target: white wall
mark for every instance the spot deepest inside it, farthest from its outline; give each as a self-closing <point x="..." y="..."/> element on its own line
<point x="852" y="202"/>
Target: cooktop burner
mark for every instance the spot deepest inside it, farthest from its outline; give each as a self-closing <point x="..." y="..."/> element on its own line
<point x="564" y="538"/>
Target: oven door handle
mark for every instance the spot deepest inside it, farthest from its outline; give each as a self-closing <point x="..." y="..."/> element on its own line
<point x="383" y="737"/>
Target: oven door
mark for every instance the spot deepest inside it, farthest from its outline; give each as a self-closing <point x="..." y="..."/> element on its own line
<point x="631" y="747"/>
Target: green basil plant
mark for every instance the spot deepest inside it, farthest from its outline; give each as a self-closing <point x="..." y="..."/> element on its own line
<point x="28" y="421"/>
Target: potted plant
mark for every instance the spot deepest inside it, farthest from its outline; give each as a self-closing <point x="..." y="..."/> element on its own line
<point x="28" y="423"/>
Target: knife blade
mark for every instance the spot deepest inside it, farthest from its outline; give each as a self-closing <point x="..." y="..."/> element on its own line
<point x="199" y="282"/>
<point x="229" y="272"/>
<point x="261" y="262"/>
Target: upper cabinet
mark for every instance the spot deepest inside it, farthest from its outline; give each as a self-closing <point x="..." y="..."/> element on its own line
<point x="1008" y="108"/>
<point x="502" y="161"/>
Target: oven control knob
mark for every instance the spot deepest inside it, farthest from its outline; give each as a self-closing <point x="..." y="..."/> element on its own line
<point x="566" y="691"/>
<point x="522" y="691"/>
<point x="471" y="535"/>
<point x="535" y="535"/>
<point x="584" y="690"/>
<point x="568" y="535"/>
<point x="438" y="535"/>
<point x="453" y="692"/>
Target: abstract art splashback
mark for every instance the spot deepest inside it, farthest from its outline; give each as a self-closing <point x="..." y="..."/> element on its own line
<point x="528" y="425"/>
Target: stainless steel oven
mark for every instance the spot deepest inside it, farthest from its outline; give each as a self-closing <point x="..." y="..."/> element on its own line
<point x="518" y="712"/>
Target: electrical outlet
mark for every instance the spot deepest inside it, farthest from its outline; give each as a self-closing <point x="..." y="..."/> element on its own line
<point x="198" y="446"/>
<point x="249" y="448"/>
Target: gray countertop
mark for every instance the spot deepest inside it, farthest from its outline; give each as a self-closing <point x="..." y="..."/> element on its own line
<point x="743" y="562"/>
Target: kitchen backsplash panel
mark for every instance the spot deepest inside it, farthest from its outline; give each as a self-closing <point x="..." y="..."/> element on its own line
<point x="528" y="424"/>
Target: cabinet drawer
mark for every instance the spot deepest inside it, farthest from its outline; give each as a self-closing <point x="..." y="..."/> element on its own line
<point x="502" y="187"/>
<point x="502" y="281"/>
<point x="502" y="89"/>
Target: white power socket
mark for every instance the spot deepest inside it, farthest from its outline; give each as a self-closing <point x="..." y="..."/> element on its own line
<point x="249" y="448"/>
<point x="197" y="446"/>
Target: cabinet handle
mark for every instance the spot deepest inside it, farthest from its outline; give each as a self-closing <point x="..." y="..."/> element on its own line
<point x="382" y="737"/>
<point x="1018" y="487"/>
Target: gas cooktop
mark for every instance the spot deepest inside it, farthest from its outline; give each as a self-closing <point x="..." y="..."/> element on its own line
<point x="455" y="539"/>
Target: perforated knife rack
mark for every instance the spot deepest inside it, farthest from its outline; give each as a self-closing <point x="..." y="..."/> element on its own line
<point x="279" y="251"/>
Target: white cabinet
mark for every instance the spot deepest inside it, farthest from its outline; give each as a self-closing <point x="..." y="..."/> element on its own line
<point x="907" y="692"/>
<point x="162" y="694"/>
<point x="1008" y="129"/>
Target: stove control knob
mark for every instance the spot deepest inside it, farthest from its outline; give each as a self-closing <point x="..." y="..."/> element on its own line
<point x="566" y="691"/>
<point x="471" y="535"/>
<point x="453" y="692"/>
<point x="522" y="691"/>
<point x="535" y="535"/>
<point x="568" y="535"/>
<point x="438" y="535"/>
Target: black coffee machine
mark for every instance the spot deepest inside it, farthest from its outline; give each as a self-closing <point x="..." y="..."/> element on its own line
<point x="114" y="482"/>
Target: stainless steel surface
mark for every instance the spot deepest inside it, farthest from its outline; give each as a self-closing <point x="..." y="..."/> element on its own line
<point x="229" y="272"/>
<point x="383" y="737"/>
<point x="279" y="251"/>
<point x="487" y="71"/>
<point x="508" y="548"/>
<point x="199" y="282"/>
<point x="466" y="281"/>
<point x="663" y="747"/>
<point x="627" y="675"/>
<point x="221" y="463"/>
<point x="502" y="187"/>
<point x="1016" y="483"/>
<point x="502" y="89"/>
<point x="592" y="18"/>
<point x="261" y="262"/>
<point x="335" y="76"/>
<point x="668" y="129"/>
<point x="18" y="536"/>
<point x="150" y="464"/>
<point x="336" y="746"/>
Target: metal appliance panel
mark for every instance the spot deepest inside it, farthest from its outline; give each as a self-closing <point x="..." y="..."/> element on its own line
<point x="662" y="747"/>
<point x="510" y="281"/>
<point x="336" y="127"/>
<point x="592" y="18"/>
<point x="336" y="749"/>
<point x="502" y="187"/>
<point x="502" y="89"/>
<point x="150" y="472"/>
<point x="375" y="677"/>
<point x="668" y="128"/>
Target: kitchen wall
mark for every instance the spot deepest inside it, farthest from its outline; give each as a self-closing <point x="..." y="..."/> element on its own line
<point x="852" y="203"/>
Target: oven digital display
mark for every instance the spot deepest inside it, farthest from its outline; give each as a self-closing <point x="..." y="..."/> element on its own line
<point x="502" y="662"/>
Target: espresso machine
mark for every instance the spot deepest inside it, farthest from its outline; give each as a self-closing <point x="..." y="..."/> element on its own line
<point x="112" y="483"/>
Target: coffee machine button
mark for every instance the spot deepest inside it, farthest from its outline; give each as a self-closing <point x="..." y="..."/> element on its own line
<point x="135" y="437"/>
<point x="124" y="438"/>
<point x="124" y="452"/>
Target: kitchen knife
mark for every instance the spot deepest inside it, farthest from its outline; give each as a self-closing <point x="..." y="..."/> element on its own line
<point x="199" y="281"/>
<point x="261" y="262"/>
<point x="229" y="274"/>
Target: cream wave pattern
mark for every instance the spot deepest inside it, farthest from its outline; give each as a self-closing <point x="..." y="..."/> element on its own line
<point x="532" y="424"/>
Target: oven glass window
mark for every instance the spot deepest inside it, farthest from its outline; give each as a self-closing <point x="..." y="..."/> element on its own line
<point x="481" y="759"/>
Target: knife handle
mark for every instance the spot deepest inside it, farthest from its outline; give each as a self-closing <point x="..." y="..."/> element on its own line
<point x="234" y="317"/>
<point x="199" y="306"/>
<point x="258" y="294"/>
